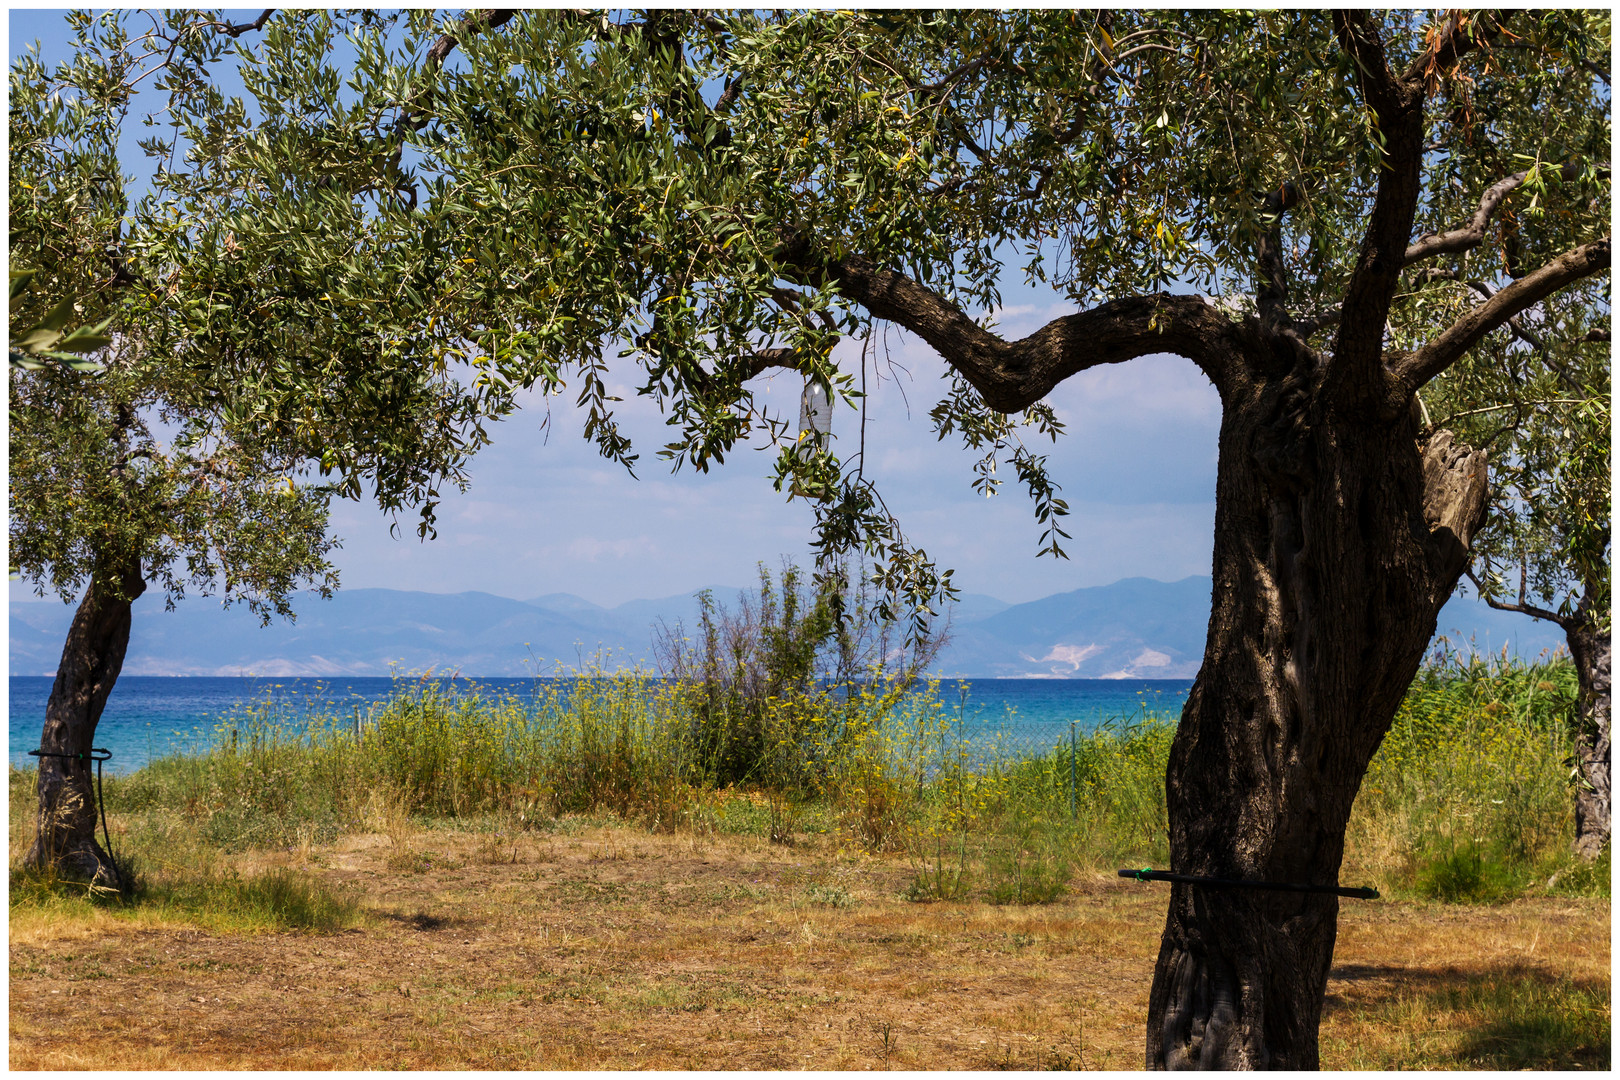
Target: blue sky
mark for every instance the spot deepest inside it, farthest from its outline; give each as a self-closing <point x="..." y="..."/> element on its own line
<point x="545" y="514"/>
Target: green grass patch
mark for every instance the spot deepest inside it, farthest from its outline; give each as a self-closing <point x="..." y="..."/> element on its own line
<point x="1531" y="1024"/>
<point x="1469" y="799"/>
<point x="1582" y="878"/>
<point x="1466" y="874"/>
<point x="275" y="899"/>
<point x="1512" y="1020"/>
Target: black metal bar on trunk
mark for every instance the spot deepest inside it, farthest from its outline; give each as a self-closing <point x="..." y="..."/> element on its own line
<point x="1149" y="874"/>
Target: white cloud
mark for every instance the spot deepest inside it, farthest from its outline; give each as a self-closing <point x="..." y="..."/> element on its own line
<point x="1021" y="320"/>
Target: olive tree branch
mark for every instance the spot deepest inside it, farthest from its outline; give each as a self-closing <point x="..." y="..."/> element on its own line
<point x="1411" y="371"/>
<point x="939" y="87"/>
<point x="238" y="29"/>
<point x="1454" y="241"/>
<point x="1510" y="405"/>
<point x="477" y="22"/>
<point x="937" y="93"/>
<point x="1011" y="376"/>
<point x="1472" y="234"/>
<point x="1454" y="41"/>
<point x="1535" y="341"/>
<point x="1521" y="607"/>
<point x="1122" y="57"/>
<point x="763" y="360"/>
<point x="793" y="302"/>
<point x="1397" y="106"/>
<point x="1272" y="297"/>
<point x="1585" y="62"/>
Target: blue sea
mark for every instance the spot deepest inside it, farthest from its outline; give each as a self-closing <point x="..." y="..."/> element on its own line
<point x="154" y="716"/>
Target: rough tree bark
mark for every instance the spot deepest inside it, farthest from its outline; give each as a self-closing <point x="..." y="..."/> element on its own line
<point x="91" y="660"/>
<point x="1590" y="649"/>
<point x="1337" y="540"/>
<point x="1340" y="530"/>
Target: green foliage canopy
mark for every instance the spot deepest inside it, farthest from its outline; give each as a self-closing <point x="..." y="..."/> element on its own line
<point x="374" y="250"/>
<point x="184" y="446"/>
<point x="1537" y="395"/>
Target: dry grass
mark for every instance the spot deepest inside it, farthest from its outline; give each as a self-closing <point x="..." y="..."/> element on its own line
<point x="597" y="947"/>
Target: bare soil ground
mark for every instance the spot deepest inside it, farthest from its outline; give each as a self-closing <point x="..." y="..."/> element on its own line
<point x="603" y="948"/>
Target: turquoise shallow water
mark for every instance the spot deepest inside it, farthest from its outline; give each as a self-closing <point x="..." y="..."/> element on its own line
<point x="151" y="716"/>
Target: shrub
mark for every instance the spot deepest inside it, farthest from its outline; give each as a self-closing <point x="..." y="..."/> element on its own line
<point x="1583" y="878"/>
<point x="1461" y="875"/>
<point x="776" y="693"/>
<point x="1026" y="871"/>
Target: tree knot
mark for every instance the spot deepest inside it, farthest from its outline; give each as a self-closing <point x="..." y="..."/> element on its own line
<point x="1454" y="489"/>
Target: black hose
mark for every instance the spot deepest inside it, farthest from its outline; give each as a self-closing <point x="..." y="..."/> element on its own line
<point x="1149" y="874"/>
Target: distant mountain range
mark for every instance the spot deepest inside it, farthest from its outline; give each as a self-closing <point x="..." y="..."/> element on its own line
<point x="1135" y="628"/>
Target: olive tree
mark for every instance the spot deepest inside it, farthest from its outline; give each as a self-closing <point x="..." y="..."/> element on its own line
<point x="152" y="443"/>
<point x="535" y="199"/>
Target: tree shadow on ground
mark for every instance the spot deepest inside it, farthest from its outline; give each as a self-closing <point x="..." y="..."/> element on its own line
<point x="1511" y="1016"/>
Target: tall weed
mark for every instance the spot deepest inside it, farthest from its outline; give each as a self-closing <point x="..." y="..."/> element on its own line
<point x="779" y="691"/>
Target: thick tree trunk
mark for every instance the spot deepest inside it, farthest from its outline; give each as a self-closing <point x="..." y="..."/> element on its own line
<point x="91" y="661"/>
<point x="1590" y="649"/>
<point x="1337" y="540"/>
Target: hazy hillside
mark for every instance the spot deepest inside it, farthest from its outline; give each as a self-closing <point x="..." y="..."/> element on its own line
<point x="1133" y="628"/>
<point x="1136" y="627"/>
